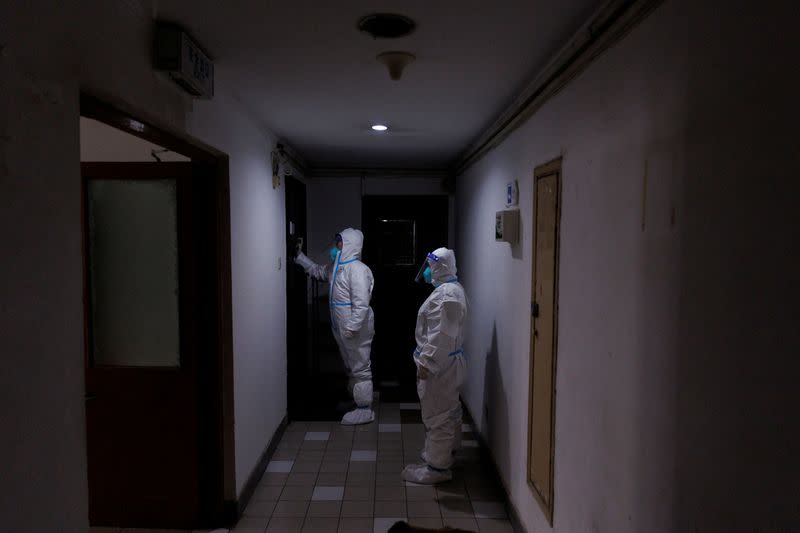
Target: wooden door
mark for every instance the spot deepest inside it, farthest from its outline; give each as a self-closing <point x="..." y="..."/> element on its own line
<point x="148" y="337"/>
<point x="544" y="311"/>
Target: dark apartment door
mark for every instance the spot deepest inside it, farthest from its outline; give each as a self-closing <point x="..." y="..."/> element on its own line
<point x="399" y="231"/>
<point x="152" y="440"/>
<point x="317" y="383"/>
<point x="297" y="323"/>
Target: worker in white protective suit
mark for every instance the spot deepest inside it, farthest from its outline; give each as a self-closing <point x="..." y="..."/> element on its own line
<point x="440" y="367"/>
<point x="352" y="319"/>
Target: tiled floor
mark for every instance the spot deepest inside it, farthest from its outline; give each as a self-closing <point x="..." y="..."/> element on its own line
<point x="325" y="478"/>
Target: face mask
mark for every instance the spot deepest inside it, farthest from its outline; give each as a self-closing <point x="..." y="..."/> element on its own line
<point x="428" y="275"/>
<point x="334" y="253"/>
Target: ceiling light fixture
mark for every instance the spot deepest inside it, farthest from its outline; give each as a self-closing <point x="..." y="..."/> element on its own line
<point x="380" y="127"/>
<point x="396" y="62"/>
<point x="386" y="25"/>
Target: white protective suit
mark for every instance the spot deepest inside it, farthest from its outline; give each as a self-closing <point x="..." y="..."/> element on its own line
<point x="352" y="319"/>
<point x="440" y="361"/>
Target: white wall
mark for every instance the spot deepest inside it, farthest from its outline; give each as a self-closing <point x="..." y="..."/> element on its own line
<point x="676" y="373"/>
<point x="409" y="185"/>
<point x="258" y="262"/>
<point x="104" y="47"/>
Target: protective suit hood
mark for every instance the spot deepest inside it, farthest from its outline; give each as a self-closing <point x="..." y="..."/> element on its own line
<point x="444" y="269"/>
<point x="352" y="243"/>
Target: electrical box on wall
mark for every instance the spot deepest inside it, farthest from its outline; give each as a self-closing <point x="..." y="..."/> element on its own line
<point x="506" y="227"/>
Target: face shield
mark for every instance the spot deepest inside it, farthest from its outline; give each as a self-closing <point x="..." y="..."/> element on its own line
<point x="333" y="247"/>
<point x="426" y="264"/>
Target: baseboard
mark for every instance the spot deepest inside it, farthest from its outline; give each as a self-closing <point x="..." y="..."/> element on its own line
<point x="230" y="513"/>
<point x="515" y="521"/>
<point x="239" y="506"/>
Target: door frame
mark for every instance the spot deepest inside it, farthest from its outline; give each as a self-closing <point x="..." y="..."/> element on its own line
<point x="546" y="502"/>
<point x="220" y="491"/>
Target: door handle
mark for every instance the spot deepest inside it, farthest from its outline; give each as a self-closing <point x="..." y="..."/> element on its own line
<point x="89" y="397"/>
<point x="535" y="309"/>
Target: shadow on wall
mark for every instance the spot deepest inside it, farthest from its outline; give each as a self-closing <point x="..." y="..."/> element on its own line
<point x="494" y="419"/>
<point x="517" y="247"/>
<point x="737" y="434"/>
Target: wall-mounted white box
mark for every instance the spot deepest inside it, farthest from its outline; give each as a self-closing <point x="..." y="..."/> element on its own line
<point x="506" y="228"/>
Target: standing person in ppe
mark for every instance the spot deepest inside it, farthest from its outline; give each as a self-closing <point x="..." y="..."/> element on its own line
<point x="352" y="319"/>
<point x="440" y="367"/>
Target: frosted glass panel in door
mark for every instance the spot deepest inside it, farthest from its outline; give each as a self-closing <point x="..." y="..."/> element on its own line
<point x="133" y="270"/>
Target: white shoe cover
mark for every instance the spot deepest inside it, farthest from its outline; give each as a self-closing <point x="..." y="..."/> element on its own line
<point x="358" y="416"/>
<point x="362" y="393"/>
<point x="425" y="475"/>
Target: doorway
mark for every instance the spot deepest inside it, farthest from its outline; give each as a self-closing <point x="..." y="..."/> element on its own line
<point x="158" y="358"/>
<point x="317" y="380"/>
<point x="544" y="339"/>
<point x="299" y="366"/>
<point x="399" y="231"/>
